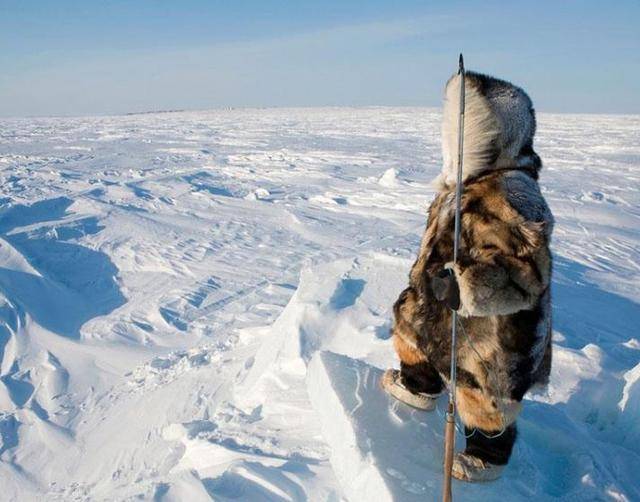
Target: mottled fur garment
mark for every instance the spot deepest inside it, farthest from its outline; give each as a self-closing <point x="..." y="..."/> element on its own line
<point x="504" y="265"/>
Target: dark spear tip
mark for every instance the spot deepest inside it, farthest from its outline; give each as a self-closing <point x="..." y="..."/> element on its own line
<point x="461" y="64"/>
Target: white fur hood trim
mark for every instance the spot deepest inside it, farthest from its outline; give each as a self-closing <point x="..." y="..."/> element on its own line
<point x="499" y="125"/>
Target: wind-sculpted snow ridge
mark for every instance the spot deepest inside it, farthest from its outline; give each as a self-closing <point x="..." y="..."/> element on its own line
<point x="197" y="305"/>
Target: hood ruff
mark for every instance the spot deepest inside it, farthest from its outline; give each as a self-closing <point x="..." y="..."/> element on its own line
<point x="499" y="125"/>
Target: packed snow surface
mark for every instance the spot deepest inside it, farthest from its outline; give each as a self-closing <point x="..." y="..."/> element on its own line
<point x="197" y="306"/>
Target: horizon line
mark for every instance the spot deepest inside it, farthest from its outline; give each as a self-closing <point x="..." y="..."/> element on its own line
<point x="278" y="107"/>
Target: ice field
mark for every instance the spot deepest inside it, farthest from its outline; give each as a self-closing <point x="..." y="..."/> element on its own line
<point x="196" y="306"/>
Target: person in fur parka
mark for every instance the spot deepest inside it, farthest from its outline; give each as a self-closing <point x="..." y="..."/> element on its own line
<point x="499" y="285"/>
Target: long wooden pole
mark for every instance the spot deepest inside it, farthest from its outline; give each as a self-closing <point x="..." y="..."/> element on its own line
<point x="450" y="426"/>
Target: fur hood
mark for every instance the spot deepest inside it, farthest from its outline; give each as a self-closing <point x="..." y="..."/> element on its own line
<point x="499" y="126"/>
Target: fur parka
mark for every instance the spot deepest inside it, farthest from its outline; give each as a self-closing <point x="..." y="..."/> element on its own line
<point x="504" y="262"/>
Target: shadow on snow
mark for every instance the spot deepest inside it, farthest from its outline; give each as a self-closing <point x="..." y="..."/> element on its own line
<point x="76" y="283"/>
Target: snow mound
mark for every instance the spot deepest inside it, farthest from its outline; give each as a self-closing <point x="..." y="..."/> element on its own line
<point x="343" y="306"/>
<point x="389" y="179"/>
<point x="630" y="406"/>
<point x="258" y="194"/>
<point x="373" y="438"/>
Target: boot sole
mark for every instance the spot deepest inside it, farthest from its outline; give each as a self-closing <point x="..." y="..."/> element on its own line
<point x="390" y="383"/>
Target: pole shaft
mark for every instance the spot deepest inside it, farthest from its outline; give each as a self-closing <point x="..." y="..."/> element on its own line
<point x="449" y="442"/>
<point x="456" y="235"/>
<point x="449" y="432"/>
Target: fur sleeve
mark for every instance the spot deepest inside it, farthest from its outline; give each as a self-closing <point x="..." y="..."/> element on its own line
<point x="508" y="266"/>
<point x="503" y="287"/>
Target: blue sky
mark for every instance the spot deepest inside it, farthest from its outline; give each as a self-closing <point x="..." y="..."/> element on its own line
<point x="94" y="57"/>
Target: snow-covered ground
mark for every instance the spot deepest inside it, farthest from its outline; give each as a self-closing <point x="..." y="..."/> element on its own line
<point x="196" y="306"/>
